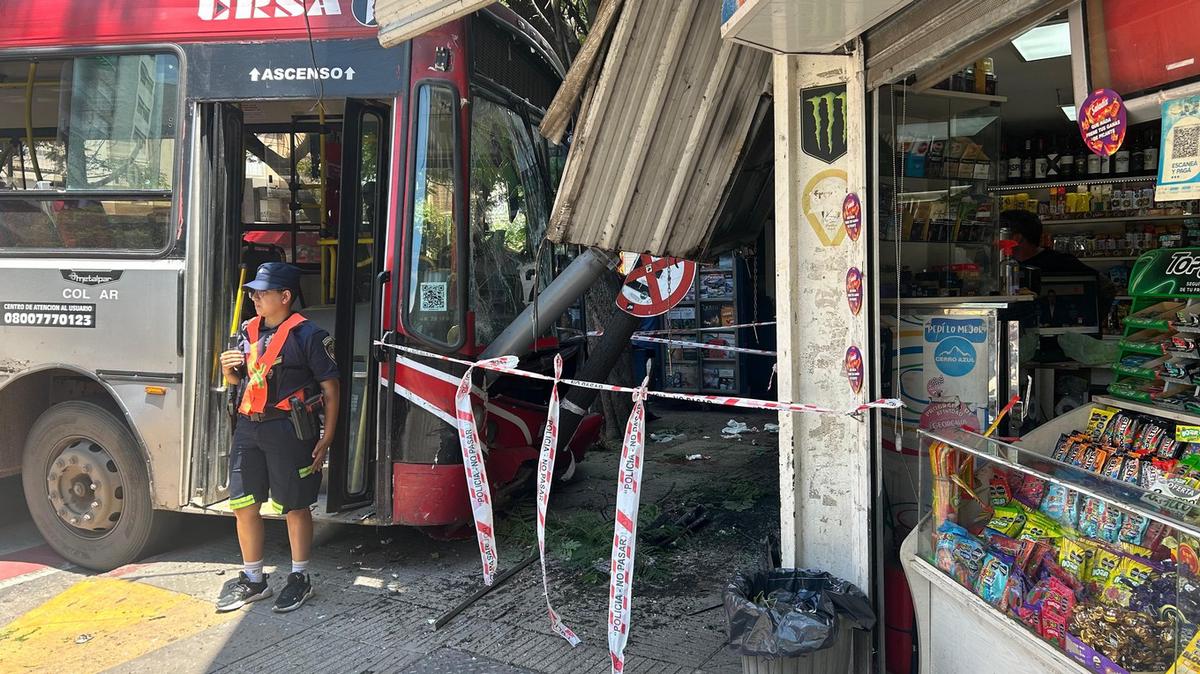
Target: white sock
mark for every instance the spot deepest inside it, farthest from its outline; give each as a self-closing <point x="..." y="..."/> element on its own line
<point x="299" y="567"/>
<point x="253" y="570"/>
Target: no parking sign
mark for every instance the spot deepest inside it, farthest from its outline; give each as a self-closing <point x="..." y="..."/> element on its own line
<point x="655" y="285"/>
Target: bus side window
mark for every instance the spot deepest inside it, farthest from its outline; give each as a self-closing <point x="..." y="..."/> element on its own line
<point x="507" y="217"/>
<point x="433" y="309"/>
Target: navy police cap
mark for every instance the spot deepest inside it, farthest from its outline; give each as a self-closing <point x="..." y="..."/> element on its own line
<point x="275" y="276"/>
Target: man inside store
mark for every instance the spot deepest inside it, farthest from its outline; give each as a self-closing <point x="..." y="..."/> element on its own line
<point x="1026" y="230"/>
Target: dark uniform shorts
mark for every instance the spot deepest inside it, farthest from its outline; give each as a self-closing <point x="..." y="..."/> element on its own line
<point x="267" y="458"/>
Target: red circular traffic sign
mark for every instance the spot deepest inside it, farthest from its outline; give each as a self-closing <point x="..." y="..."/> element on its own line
<point x="656" y="285"/>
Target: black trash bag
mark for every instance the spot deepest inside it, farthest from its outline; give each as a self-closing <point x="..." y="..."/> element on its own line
<point x="786" y="613"/>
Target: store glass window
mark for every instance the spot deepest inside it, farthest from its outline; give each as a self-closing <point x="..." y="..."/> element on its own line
<point x="507" y="216"/>
<point x="103" y="125"/>
<point x="1137" y="47"/>
<point x="433" y="308"/>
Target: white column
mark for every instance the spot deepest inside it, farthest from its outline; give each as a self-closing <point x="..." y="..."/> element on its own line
<point x="824" y="461"/>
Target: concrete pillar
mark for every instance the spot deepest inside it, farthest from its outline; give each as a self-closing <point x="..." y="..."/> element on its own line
<point x="824" y="461"/>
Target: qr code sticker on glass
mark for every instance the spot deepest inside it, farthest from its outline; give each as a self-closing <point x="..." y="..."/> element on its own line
<point x="1186" y="142"/>
<point x="433" y="296"/>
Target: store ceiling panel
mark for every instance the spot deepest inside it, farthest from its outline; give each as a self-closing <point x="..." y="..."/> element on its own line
<point x="933" y="38"/>
<point x="805" y="26"/>
<point x="662" y="133"/>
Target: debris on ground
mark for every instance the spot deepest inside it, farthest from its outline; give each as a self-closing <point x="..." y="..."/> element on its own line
<point x="83" y="638"/>
<point x="667" y="437"/>
<point x="771" y="428"/>
<point x="734" y="428"/>
<point x="698" y="457"/>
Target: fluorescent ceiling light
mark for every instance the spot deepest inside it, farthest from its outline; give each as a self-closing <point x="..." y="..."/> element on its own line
<point x="1044" y="42"/>
<point x="1069" y="111"/>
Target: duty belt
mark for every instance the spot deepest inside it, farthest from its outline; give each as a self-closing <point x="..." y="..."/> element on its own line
<point x="269" y="414"/>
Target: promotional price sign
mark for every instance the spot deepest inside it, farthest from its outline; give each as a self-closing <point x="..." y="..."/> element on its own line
<point x="1102" y="122"/>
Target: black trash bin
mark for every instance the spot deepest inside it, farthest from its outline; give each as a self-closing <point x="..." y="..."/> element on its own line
<point x="794" y="620"/>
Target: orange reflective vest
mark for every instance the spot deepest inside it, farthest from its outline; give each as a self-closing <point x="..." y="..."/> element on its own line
<point x="254" y="398"/>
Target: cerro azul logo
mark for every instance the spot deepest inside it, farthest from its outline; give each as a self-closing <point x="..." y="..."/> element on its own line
<point x="823" y="125"/>
<point x="220" y="10"/>
<point x="954" y="356"/>
<point x="91" y="277"/>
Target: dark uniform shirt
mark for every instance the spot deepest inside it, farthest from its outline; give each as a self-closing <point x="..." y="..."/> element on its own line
<point x="306" y="359"/>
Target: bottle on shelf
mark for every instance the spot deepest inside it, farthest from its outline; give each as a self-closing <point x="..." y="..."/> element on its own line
<point x="1120" y="159"/>
<point x="989" y="67"/>
<point x="1150" y="153"/>
<point x="1053" y="156"/>
<point x="1066" y="161"/>
<point x="1014" y="167"/>
<point x="1081" y="159"/>
<point x="1137" y="153"/>
<point x="1010" y="269"/>
<point x="1041" y="162"/>
<point x="1027" y="162"/>
<point x="1093" y="164"/>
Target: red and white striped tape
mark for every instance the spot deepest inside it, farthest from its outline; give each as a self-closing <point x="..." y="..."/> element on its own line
<point x="728" y="401"/>
<point x="628" y="482"/>
<point x="474" y="463"/>
<point x="629" y="489"/>
<point x="641" y="337"/>
<point x="545" y="477"/>
<point x="717" y="328"/>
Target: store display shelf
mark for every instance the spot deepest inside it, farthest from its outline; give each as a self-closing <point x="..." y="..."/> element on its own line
<point x="1192" y="329"/>
<point x="716" y="299"/>
<point x="956" y="243"/>
<point x="960" y="95"/>
<point x="1109" y="258"/>
<point x="1111" y="180"/>
<point x="1189" y="355"/>
<point x="1139" y="372"/>
<point x="1123" y="298"/>
<point x="1145" y="348"/>
<point x="1066" y="329"/>
<point x="1147" y="323"/>
<point x="1110" y="219"/>
<point x="1184" y="382"/>
<point x="1146" y="408"/>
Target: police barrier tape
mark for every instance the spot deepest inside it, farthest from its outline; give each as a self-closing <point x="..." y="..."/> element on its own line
<point x="717" y="328"/>
<point x="629" y="489"/>
<point x="545" y="477"/>
<point x="628" y="484"/>
<point x="643" y="337"/>
<point x="478" y="487"/>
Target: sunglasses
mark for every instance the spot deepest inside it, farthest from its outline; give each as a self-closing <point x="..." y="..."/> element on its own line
<point x="259" y="294"/>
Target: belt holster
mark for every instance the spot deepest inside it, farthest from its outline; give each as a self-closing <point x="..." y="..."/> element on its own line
<point x="304" y="418"/>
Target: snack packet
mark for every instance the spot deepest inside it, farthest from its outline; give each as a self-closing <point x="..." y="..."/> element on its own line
<point x="1098" y="421"/>
<point x="993" y="579"/>
<point x="1008" y="520"/>
<point x="1103" y="565"/>
<point x="1130" y="573"/>
<point x="958" y="553"/>
<point x="1094" y="459"/>
<point x="1090" y="516"/>
<point x="1031" y="491"/>
<point x="1114" y="466"/>
<point x="1133" y="530"/>
<point x="998" y="492"/>
<point x="1110" y="524"/>
<point x="1073" y="558"/>
<point x="1039" y="526"/>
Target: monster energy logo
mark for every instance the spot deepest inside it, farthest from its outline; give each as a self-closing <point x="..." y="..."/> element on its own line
<point x="825" y="109"/>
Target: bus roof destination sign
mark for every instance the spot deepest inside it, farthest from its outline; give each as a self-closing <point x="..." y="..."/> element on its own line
<point x="344" y="68"/>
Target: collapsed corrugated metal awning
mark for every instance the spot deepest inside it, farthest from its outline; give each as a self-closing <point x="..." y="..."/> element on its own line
<point x="401" y="20"/>
<point x="662" y="130"/>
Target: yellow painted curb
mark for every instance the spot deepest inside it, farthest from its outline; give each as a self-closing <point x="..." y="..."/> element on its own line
<point x="100" y="623"/>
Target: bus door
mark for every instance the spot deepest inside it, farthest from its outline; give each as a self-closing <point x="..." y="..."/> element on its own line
<point x="219" y="168"/>
<point x="358" y="284"/>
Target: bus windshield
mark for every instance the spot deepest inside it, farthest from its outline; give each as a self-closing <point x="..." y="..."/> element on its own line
<point x="87" y="151"/>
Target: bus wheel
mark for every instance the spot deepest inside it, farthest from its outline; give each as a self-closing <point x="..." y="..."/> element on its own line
<point x="87" y="489"/>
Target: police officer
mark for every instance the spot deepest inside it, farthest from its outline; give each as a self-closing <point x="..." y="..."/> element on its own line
<point x="282" y="362"/>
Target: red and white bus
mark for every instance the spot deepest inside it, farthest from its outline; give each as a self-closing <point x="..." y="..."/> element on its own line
<point x="150" y="149"/>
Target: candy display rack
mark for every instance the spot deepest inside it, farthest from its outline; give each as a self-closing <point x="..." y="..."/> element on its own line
<point x="1100" y="508"/>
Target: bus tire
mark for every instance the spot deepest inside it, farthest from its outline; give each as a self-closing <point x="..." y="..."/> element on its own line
<point x="87" y="487"/>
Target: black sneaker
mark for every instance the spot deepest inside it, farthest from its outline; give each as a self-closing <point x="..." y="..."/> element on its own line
<point x="243" y="592"/>
<point x="294" y="594"/>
